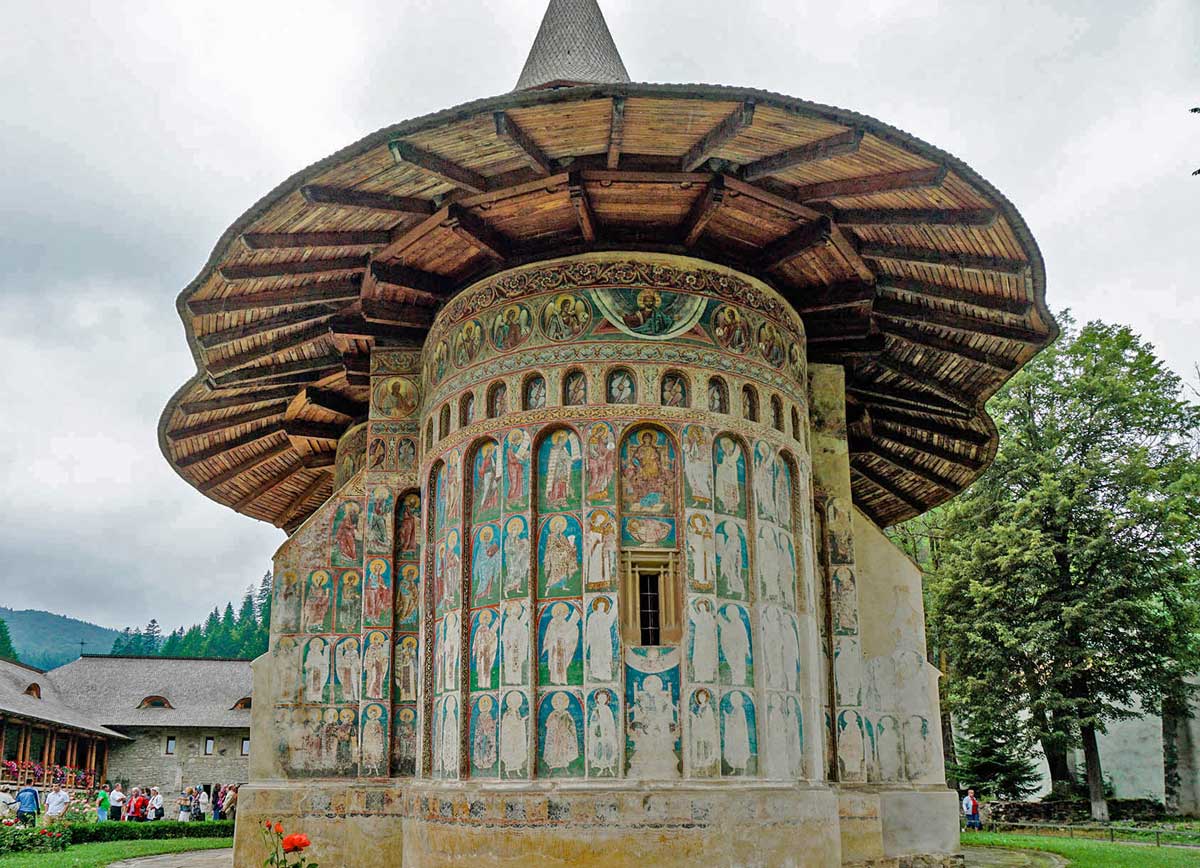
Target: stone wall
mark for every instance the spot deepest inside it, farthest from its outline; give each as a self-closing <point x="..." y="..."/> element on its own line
<point x="144" y="762"/>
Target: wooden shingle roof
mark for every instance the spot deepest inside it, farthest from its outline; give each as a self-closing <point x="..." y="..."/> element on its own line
<point x="908" y="268"/>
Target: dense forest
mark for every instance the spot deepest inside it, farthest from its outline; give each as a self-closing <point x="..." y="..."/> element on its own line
<point x="240" y="633"/>
<point x="45" y="640"/>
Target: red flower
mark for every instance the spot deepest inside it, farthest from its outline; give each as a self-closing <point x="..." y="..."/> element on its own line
<point x="267" y="825"/>
<point x="295" y="843"/>
<point x="279" y="828"/>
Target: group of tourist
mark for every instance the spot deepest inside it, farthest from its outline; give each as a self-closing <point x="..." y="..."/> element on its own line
<point x="141" y="804"/>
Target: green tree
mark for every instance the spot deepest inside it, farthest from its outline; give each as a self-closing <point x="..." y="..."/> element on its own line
<point x="7" y="651"/>
<point x="1066" y="587"/>
<point x="994" y="759"/>
<point x="264" y="601"/>
<point x="170" y="647"/>
<point x="151" y="637"/>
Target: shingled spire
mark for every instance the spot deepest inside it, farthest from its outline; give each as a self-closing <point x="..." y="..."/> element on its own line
<point x="573" y="46"/>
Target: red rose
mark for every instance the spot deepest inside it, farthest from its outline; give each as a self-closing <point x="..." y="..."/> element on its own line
<point x="295" y="843"/>
<point x="279" y="828"/>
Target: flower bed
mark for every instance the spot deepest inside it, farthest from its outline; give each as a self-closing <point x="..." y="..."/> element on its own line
<point x="15" y="838"/>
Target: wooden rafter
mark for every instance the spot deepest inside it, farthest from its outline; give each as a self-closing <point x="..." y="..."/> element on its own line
<point x="200" y="429"/>
<point x="278" y="481"/>
<point x="259" y="270"/>
<point x="313" y="430"/>
<point x="837" y="145"/>
<point x="349" y="198"/>
<point x="886" y="432"/>
<point x="434" y="286"/>
<point x="865" y="185"/>
<point x="807" y="237"/>
<point x="471" y="228"/>
<point x="325" y="364"/>
<point x="266" y="325"/>
<point x="905" y="399"/>
<point x="847" y="247"/>
<point x="334" y="402"/>
<point x="447" y="170"/>
<point x="325" y="458"/>
<point x="987" y="303"/>
<point x="724" y="132"/>
<point x="616" y="132"/>
<point x="509" y="130"/>
<point x="400" y="313"/>
<point x="703" y="211"/>
<point x="233" y="443"/>
<point x="284" y="240"/>
<point x="917" y="314"/>
<point x="359" y="328"/>
<point x="584" y="215"/>
<point x="905" y="465"/>
<point x="325" y="292"/>
<point x="843" y="349"/>
<point x="926" y="341"/>
<point x="228" y="402"/>
<point x="302" y="337"/>
<point x="950" y="259"/>
<point x="740" y="191"/>
<point x="923" y="380"/>
<point x="834" y="296"/>
<point x="881" y="482"/>
<point x="298" y="502"/>
<point x="908" y="419"/>
<point x="914" y="216"/>
<point x="245" y="466"/>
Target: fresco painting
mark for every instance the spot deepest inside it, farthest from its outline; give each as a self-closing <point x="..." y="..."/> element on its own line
<point x="560" y="472"/>
<point x="649" y="314"/>
<point x="404" y="742"/>
<point x="486" y="565"/>
<point x="704" y="735"/>
<point x="652" y="731"/>
<point x="600" y="640"/>
<point x="486" y="482"/>
<point x="701" y="563"/>
<point x="560" y="557"/>
<point x="485" y="650"/>
<point x="318" y="598"/>
<point x="407" y="597"/>
<point x="560" y="645"/>
<point x="697" y="467"/>
<point x="565" y="317"/>
<point x="347" y="542"/>
<point x="483" y="736"/>
<point x="701" y="641"/>
<point x="514" y="643"/>
<point x="601" y="463"/>
<point x="732" y="559"/>
<point x="514" y="735"/>
<point x="733" y="644"/>
<point x="648" y="473"/>
<point x="380" y="509"/>
<point x="349" y="605"/>
<point x="511" y="327"/>
<point x="729" y="477"/>
<point x="405" y="669"/>
<point x="739" y="734"/>
<point x="395" y="398"/>
<point x="377" y="593"/>
<point x="518" y="449"/>
<point x="516" y="557"/>
<point x="347" y="667"/>
<point x="408" y="527"/>
<point x="603" y="733"/>
<point x="560" y="735"/>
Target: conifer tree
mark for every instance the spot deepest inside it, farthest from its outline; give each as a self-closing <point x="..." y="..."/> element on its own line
<point x="995" y="759"/>
<point x="7" y="651"/>
<point x="264" y="601"/>
<point x="151" y="637"/>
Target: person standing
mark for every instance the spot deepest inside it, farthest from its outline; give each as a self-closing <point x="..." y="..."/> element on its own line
<point x="156" y="804"/>
<point x="205" y="803"/>
<point x="970" y="807"/>
<point x="29" y="802"/>
<point x="56" y="803"/>
<point x="135" y="810"/>
<point x="8" y="804"/>
<point x="184" y="803"/>
<point x="116" y="801"/>
<point x="102" y="804"/>
<point x="230" y="805"/>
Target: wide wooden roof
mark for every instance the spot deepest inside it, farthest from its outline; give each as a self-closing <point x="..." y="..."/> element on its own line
<point x="907" y="267"/>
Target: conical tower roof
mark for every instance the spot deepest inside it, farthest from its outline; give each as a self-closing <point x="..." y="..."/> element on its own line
<point x="573" y="46"/>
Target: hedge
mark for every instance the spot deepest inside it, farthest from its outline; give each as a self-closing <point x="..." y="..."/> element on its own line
<point x="84" y="833"/>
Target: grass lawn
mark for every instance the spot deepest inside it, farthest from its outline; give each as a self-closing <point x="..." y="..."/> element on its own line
<point x="98" y="855"/>
<point x="1081" y="853"/>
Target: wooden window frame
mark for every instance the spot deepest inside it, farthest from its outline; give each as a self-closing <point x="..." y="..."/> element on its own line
<point x="170" y="746"/>
<point x="213" y="740"/>
<point x="666" y="563"/>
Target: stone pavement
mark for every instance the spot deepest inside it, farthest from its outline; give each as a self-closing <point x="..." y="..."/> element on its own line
<point x="977" y="857"/>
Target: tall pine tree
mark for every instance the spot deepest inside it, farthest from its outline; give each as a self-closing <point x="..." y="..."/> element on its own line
<point x="994" y="759"/>
<point x="7" y="651"/>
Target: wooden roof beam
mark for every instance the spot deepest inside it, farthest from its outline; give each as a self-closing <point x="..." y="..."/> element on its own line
<point x="244" y="466"/>
<point x="509" y="130"/>
<point x="334" y="402"/>
<point x="616" y="132"/>
<point x="833" y="296"/>
<point x="837" y="145"/>
<point x="200" y="429"/>
<point x="724" y="132"/>
<point x="298" y="502"/>
<point x="279" y="480"/>
<point x="865" y="185"/>
<point x="840" y="350"/>
<point x="322" y="366"/>
<point x="886" y="433"/>
<point x="883" y="484"/>
<point x="432" y="286"/>
<point x="228" y="402"/>
<point x="313" y="430"/>
<point x="283" y="240"/>
<point x="923" y="380"/>
<point x="325" y="458"/>
<point x="905" y="465"/>
<point x="397" y="313"/>
<point x="916" y="314"/>
<point x="905" y="399"/>
<point x="259" y="270"/>
<point x="266" y="325"/>
<point x="238" y="442"/>
<point x="982" y="217"/>
<point x="471" y="228"/>
<point x="584" y="214"/>
<point x="359" y="328"/>
<point x="926" y="341"/>
<point x="807" y="237"/>
<point x="310" y="334"/>
<point x="703" y="211"/>
<point x="906" y="418"/>
<point x="847" y="247"/>
<point x="987" y="303"/>
<point x="450" y="172"/>
<point x="325" y="292"/>
<point x="342" y="197"/>
<point x="945" y="258"/>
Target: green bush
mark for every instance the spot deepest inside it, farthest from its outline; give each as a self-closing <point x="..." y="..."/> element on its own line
<point x="16" y="838"/>
<point x="83" y="833"/>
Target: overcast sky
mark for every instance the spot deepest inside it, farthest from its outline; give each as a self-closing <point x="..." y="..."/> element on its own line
<point x="133" y="134"/>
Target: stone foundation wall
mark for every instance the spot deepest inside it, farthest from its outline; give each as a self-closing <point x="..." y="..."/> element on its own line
<point x="144" y="762"/>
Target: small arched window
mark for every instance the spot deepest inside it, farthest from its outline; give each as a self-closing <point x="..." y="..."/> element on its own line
<point x="34" y="690"/>
<point x="674" y="391"/>
<point x="242" y="704"/>
<point x="621" y="387"/>
<point x="429" y="434"/>
<point x="444" y="421"/>
<point x="776" y="413"/>
<point x="574" y="389"/>
<point x="497" y="400"/>
<point x="155" y="701"/>
<point x="795" y="424"/>
<point x="466" y="409"/>
<point x="749" y="403"/>
<point x="718" y="396"/>
<point x="534" y="393"/>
